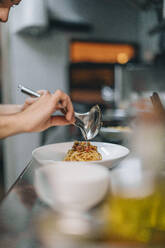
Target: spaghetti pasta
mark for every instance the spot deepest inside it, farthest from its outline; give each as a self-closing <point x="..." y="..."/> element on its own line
<point x="83" y="151"/>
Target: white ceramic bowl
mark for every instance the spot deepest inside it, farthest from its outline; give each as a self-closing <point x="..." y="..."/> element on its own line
<point x="111" y="153"/>
<point x="71" y="187"/>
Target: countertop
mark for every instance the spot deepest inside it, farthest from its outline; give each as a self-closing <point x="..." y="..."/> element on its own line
<point x="27" y="222"/>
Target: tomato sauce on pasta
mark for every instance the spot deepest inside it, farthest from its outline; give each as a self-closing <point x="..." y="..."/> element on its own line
<point x="83" y="151"/>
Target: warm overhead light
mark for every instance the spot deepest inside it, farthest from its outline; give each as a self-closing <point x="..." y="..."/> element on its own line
<point x="122" y="58"/>
<point x="101" y="52"/>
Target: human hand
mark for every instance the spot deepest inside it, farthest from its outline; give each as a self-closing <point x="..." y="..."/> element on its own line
<point x="36" y="114"/>
<point x="9" y="109"/>
<point x="32" y="99"/>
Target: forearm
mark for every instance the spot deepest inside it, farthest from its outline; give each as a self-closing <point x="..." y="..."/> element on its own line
<point x="9" y="125"/>
<point x="7" y="109"/>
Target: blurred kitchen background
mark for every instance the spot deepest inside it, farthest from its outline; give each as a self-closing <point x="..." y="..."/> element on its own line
<point x="109" y="52"/>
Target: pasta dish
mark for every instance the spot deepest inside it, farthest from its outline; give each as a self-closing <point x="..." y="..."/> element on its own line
<point x="83" y="151"/>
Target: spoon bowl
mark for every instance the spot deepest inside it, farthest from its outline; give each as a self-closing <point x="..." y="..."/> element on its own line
<point x="91" y="122"/>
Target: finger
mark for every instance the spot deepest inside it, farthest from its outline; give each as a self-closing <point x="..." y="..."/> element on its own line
<point x="67" y="108"/>
<point x="30" y="100"/>
<point x="60" y="98"/>
<point x="64" y="99"/>
<point x="72" y="121"/>
<point x="65" y="112"/>
<point x="41" y="92"/>
<point x="59" y="121"/>
<point x="70" y="110"/>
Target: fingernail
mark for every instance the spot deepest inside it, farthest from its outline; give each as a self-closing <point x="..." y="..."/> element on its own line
<point x="73" y="120"/>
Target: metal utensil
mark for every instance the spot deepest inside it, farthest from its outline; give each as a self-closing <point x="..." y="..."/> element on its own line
<point x="89" y="123"/>
<point x="92" y="121"/>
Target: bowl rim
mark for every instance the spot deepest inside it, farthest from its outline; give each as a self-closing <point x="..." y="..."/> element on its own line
<point x="127" y="151"/>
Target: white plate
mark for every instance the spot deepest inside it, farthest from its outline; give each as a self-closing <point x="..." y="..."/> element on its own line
<point x="111" y="153"/>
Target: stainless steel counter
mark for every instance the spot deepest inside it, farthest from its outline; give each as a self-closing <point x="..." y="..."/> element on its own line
<point x="27" y="222"/>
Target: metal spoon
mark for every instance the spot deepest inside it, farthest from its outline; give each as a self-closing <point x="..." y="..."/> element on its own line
<point x="92" y="121"/>
<point x="89" y="123"/>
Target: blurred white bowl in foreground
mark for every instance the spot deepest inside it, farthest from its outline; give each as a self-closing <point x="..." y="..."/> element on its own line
<point x="71" y="187"/>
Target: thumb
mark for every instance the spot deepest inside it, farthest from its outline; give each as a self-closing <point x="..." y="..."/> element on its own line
<point x="58" y="121"/>
<point x="28" y="102"/>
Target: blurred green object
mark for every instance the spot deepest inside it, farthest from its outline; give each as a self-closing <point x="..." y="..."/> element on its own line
<point x="137" y="219"/>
